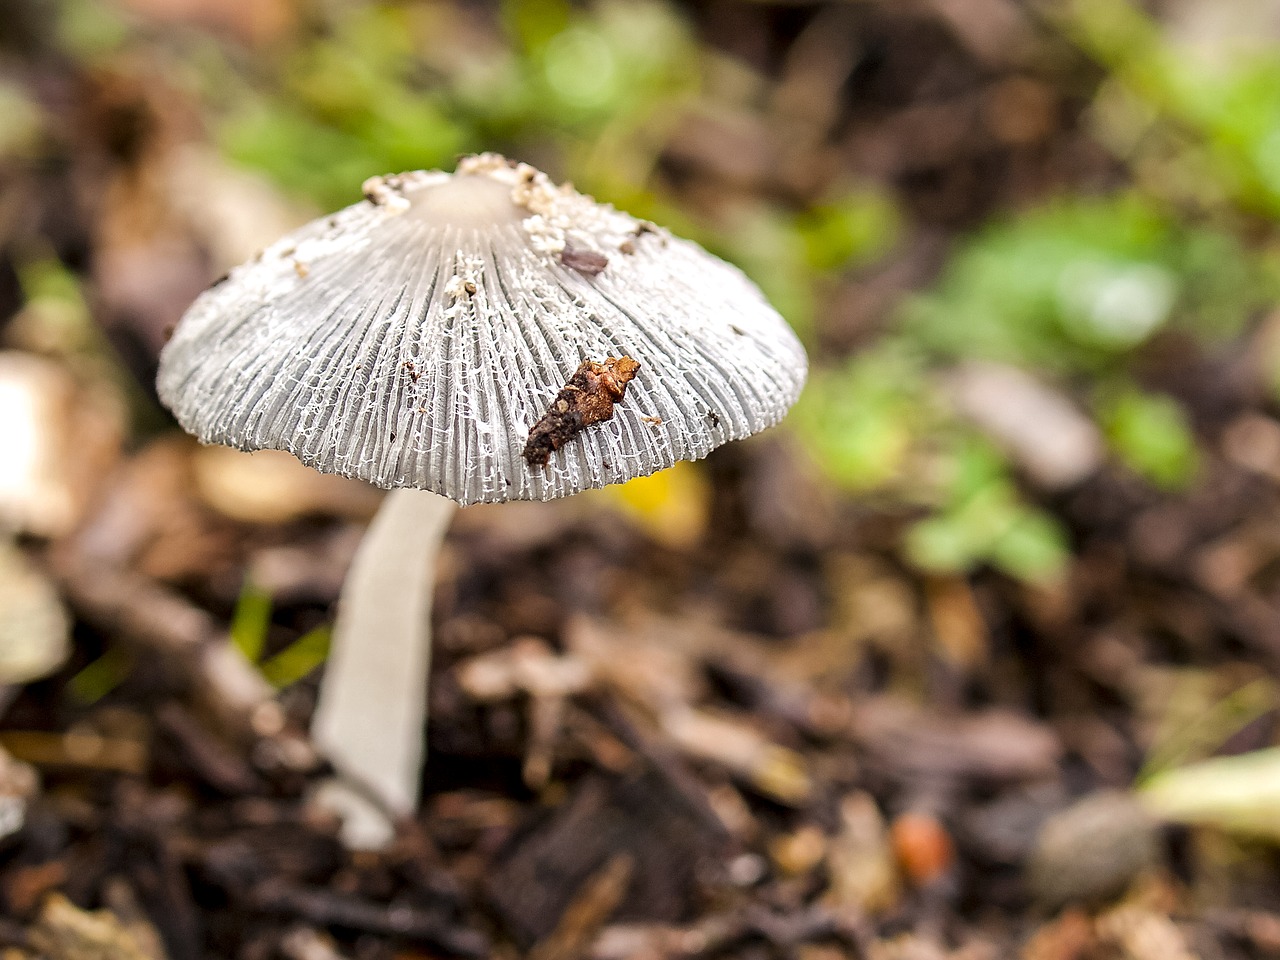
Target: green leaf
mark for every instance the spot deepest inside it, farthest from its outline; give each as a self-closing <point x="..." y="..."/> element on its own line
<point x="251" y="621"/>
<point x="1150" y="434"/>
<point x="99" y="677"/>
<point x="1033" y="549"/>
<point x="299" y="658"/>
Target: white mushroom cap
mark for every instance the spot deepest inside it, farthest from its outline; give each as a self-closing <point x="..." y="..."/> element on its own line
<point x="414" y="339"/>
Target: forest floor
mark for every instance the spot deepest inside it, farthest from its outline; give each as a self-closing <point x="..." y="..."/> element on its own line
<point x="749" y="729"/>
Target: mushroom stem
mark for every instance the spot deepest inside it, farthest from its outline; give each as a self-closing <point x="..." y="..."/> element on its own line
<point x="370" y="719"/>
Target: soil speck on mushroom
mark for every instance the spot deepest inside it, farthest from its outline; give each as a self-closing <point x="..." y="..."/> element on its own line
<point x="584" y="261"/>
<point x="587" y="398"/>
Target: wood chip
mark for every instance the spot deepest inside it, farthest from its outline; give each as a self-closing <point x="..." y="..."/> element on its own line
<point x="596" y="900"/>
<point x="65" y="932"/>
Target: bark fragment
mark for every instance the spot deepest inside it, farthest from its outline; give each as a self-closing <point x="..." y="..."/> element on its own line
<point x="587" y="398"/>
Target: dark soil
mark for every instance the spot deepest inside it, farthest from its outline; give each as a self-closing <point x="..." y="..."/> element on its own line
<point x="789" y="743"/>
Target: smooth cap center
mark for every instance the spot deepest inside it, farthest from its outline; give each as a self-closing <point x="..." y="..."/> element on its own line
<point x="465" y="201"/>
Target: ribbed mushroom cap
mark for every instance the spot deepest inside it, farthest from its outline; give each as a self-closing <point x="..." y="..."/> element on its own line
<point x="414" y="339"/>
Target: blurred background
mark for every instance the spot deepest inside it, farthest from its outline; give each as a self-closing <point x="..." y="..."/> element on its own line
<point x="975" y="656"/>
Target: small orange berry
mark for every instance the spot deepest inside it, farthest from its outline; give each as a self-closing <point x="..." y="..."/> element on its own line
<point x="923" y="847"/>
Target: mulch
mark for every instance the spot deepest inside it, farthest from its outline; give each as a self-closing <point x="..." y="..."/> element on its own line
<point x="782" y="740"/>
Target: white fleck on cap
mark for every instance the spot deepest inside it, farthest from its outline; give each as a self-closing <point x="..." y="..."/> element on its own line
<point x="414" y="339"/>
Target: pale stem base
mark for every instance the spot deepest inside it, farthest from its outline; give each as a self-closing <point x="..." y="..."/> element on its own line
<point x="370" y="717"/>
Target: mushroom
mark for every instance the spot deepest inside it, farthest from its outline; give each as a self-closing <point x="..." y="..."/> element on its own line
<point x="485" y="336"/>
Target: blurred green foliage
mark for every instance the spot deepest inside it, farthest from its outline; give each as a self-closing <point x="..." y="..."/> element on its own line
<point x="251" y="621"/>
<point x="861" y="419"/>
<point x="1149" y="432"/>
<point x="982" y="518"/>
<point x="299" y="658"/>
<point x="1078" y="284"/>
<point x="1200" y="721"/>
<point x="793" y="254"/>
<point x="89" y="31"/>
<point x="22" y="120"/>
<point x="385" y="87"/>
<point x="1220" y="106"/>
<point x="590" y="92"/>
<point x="100" y="676"/>
<point x="1072" y="290"/>
<point x="878" y="427"/>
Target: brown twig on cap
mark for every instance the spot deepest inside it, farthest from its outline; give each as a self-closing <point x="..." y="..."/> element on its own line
<point x="587" y="398"/>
